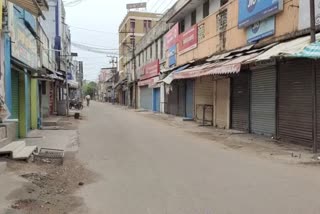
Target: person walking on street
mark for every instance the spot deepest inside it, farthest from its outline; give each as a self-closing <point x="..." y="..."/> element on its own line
<point x="88" y="98"/>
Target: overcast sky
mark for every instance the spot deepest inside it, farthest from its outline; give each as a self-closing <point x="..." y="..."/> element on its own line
<point x="96" y="22"/>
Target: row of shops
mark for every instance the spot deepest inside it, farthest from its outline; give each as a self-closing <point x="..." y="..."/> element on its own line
<point x="263" y="91"/>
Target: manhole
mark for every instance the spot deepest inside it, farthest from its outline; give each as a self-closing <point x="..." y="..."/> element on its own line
<point x="46" y="155"/>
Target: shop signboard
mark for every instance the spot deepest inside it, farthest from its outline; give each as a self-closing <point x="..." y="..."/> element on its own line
<point x="24" y="46"/>
<point x="252" y="11"/>
<point x="172" y="56"/>
<point x="150" y="70"/>
<point x="188" y="40"/>
<point x="261" y="29"/>
<point x="172" y="36"/>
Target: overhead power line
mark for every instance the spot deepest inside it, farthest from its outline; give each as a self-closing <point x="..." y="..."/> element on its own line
<point x="92" y="30"/>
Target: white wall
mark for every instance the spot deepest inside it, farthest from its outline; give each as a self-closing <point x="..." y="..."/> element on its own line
<point x="214" y="6"/>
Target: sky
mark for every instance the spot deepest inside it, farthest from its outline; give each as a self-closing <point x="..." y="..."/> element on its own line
<point x="95" y="23"/>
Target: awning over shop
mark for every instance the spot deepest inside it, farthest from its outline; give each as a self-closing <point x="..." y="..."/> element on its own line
<point x="149" y="82"/>
<point x="193" y="72"/>
<point x="311" y="51"/>
<point x="230" y="66"/>
<point x="286" y="49"/>
<point x="73" y="84"/>
<point x="227" y="54"/>
<point x="35" y="7"/>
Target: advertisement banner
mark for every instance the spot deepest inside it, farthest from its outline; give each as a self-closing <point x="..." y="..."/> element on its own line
<point x="172" y="55"/>
<point x="261" y="30"/>
<point x="188" y="40"/>
<point x="172" y="36"/>
<point x="150" y="70"/>
<point x="252" y="11"/>
<point x="24" y="46"/>
<point x="304" y="10"/>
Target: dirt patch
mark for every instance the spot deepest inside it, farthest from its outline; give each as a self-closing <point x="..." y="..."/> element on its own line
<point x="51" y="186"/>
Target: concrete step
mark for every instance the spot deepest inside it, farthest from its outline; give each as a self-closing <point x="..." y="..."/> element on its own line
<point x="13" y="147"/>
<point x="25" y="153"/>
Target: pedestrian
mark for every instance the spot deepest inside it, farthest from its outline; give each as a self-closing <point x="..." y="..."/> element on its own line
<point x="88" y="98"/>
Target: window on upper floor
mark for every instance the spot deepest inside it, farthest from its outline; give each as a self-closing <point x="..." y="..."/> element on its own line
<point x="223" y="2"/>
<point x="147" y="25"/>
<point x="150" y="51"/>
<point x="222" y="21"/>
<point x="182" y="26"/>
<point x="161" y="48"/>
<point x="206" y="8"/>
<point x="157" y="49"/>
<point x="193" y="17"/>
<point x="132" y="25"/>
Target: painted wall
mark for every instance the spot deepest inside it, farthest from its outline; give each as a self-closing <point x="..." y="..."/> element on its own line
<point x="286" y="22"/>
<point x="34" y="103"/>
<point x="7" y="67"/>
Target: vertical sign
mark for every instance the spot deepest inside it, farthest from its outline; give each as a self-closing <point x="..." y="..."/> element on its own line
<point x="172" y="36"/>
<point x="172" y="55"/>
<point x="252" y="11"/>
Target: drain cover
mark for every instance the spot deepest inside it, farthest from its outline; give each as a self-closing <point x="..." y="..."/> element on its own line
<point x="50" y="155"/>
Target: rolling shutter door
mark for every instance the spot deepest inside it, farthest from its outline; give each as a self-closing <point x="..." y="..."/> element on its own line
<point x="204" y="96"/>
<point x="263" y="101"/>
<point x="318" y="105"/>
<point x="182" y="98"/>
<point x="173" y="98"/>
<point x="146" y="98"/>
<point x="240" y="102"/>
<point x="189" y="99"/>
<point x="156" y="100"/>
<point x="295" y="102"/>
<point x="222" y="103"/>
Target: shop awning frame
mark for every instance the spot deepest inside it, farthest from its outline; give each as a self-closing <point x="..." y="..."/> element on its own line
<point x="35" y="7"/>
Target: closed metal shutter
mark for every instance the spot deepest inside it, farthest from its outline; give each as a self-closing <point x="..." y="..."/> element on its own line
<point x="240" y="102"/>
<point x="318" y="104"/>
<point x="295" y="102"/>
<point x="263" y="101"/>
<point x="156" y="99"/>
<point x="222" y="103"/>
<point x="189" y="99"/>
<point x="182" y="98"/>
<point x="173" y="97"/>
<point x="204" y="96"/>
<point x="146" y="98"/>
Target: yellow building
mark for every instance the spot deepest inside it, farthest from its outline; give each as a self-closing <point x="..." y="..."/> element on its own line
<point x="133" y="27"/>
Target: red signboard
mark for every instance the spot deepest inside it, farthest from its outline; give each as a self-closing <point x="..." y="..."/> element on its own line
<point x="150" y="70"/>
<point x="172" y="36"/>
<point x="148" y="82"/>
<point x="188" y="40"/>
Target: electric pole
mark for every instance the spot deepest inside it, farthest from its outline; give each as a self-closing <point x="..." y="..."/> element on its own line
<point x="312" y="21"/>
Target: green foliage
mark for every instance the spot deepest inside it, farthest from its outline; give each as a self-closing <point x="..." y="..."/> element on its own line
<point x="90" y="88"/>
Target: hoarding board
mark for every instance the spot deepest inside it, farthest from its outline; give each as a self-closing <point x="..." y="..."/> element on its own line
<point x="261" y="30"/>
<point x="172" y="56"/>
<point x="188" y="40"/>
<point x="172" y="36"/>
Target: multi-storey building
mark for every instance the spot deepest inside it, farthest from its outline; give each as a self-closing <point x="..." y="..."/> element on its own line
<point x="133" y="27"/>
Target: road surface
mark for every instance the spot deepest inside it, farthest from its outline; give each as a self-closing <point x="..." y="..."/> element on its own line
<point x="145" y="166"/>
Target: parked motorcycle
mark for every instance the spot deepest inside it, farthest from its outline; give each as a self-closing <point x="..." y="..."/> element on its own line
<point x="75" y="104"/>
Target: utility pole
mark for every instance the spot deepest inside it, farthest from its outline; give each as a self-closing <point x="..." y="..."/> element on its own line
<point x="312" y="21"/>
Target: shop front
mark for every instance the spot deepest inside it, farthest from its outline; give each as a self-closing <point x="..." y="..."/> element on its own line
<point x="149" y="92"/>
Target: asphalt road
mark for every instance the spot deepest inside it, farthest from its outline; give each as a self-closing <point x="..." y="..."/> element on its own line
<point x="144" y="166"/>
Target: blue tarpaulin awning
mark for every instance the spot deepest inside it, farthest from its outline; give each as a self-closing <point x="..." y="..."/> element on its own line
<point x="311" y="51"/>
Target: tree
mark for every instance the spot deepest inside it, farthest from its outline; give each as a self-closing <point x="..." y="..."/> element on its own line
<point x="90" y="89"/>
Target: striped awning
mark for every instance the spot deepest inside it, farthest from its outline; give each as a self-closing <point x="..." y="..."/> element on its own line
<point x="35" y="7"/>
<point x="311" y="51"/>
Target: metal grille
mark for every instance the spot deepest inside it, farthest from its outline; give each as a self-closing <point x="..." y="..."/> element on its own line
<point x="240" y="101"/>
<point x="263" y="101"/>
